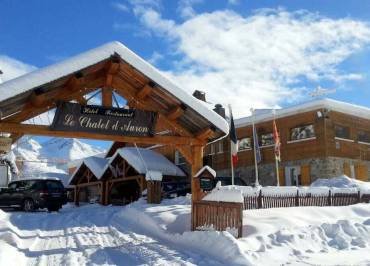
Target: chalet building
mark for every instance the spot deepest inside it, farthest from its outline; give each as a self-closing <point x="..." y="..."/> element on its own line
<point x="319" y="139"/>
<point x="123" y="176"/>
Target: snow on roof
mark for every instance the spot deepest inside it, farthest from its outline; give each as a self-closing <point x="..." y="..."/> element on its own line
<point x="95" y="164"/>
<point x="153" y="176"/>
<point x="208" y="168"/>
<point x="330" y="104"/>
<point x="53" y="72"/>
<point x="143" y="160"/>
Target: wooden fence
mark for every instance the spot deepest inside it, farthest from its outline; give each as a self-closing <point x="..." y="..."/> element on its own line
<point x="278" y="201"/>
<point x="220" y="216"/>
<point x="227" y="216"/>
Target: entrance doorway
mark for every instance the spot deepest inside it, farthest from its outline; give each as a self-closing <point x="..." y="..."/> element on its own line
<point x="124" y="192"/>
<point x="292" y="175"/>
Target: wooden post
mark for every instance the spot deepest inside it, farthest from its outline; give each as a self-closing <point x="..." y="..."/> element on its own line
<point x="259" y="200"/>
<point x="154" y="192"/>
<point x="197" y="152"/>
<point x="329" y="198"/>
<point x="297" y="198"/>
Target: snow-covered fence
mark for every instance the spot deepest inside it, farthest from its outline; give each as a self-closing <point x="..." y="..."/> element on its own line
<point x="219" y="216"/>
<point x="280" y="197"/>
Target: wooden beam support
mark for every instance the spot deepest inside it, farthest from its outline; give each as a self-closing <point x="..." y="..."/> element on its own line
<point x="106" y="96"/>
<point x="112" y="69"/>
<point x="45" y="131"/>
<point x="144" y="92"/>
<point x="197" y="153"/>
<point x="62" y="93"/>
<point x="81" y="100"/>
<point x="205" y="133"/>
<point x="126" y="92"/>
<point x="175" y="113"/>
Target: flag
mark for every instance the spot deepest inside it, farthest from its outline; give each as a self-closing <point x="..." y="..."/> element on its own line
<point x="256" y="145"/>
<point x="233" y="140"/>
<point x="277" y="142"/>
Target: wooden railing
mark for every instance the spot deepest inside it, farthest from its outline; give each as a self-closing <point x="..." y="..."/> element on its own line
<point x="219" y="216"/>
<point x="278" y="201"/>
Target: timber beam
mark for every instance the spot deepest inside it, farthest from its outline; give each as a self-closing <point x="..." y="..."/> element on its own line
<point x="144" y="92"/>
<point x="205" y="133"/>
<point x="175" y="113"/>
<point x="41" y="130"/>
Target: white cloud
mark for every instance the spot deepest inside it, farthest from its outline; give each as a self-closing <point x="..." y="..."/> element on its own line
<point x="13" y="68"/>
<point x="121" y="7"/>
<point x="155" y="57"/>
<point x="259" y="60"/>
<point x="185" y="8"/>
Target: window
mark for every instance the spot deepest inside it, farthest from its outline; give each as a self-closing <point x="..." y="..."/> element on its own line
<point x="220" y="147"/>
<point x="342" y="132"/>
<point x="303" y="132"/>
<point x="212" y="147"/>
<point x="363" y="136"/>
<point x="267" y="139"/>
<point x="245" y="144"/>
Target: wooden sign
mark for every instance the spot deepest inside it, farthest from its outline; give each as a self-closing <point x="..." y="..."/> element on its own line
<point x="96" y="119"/>
<point x="5" y="144"/>
<point x="206" y="183"/>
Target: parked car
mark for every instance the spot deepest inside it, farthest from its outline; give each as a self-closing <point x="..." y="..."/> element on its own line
<point x="175" y="189"/>
<point x="32" y="194"/>
<point x="226" y="181"/>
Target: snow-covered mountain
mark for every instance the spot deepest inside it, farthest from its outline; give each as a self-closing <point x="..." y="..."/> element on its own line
<point x="55" y="149"/>
<point x="50" y="158"/>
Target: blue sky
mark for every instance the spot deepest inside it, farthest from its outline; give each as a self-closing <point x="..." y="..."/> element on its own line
<point x="252" y="53"/>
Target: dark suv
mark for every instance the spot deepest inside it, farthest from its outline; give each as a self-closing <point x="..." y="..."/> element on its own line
<point x="32" y="194"/>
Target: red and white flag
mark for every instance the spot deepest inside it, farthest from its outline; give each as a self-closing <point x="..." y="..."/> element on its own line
<point x="277" y="142"/>
<point x="233" y="141"/>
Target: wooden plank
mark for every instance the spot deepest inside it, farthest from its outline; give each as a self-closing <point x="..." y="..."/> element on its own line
<point x="205" y="133"/>
<point x="144" y="92"/>
<point x="45" y="131"/>
<point x="107" y="94"/>
<point x="197" y="152"/>
<point x="126" y="92"/>
<point x="175" y="113"/>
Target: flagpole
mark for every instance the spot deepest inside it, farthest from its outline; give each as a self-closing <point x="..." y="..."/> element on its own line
<point x="254" y="148"/>
<point x="231" y="152"/>
<point x="276" y="158"/>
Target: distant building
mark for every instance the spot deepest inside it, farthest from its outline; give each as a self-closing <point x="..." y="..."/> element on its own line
<point x="319" y="139"/>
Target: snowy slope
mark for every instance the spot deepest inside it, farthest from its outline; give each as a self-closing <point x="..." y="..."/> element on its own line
<point x="50" y="158"/>
<point x="147" y="234"/>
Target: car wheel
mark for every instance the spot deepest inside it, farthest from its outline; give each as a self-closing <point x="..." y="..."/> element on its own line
<point x="28" y="205"/>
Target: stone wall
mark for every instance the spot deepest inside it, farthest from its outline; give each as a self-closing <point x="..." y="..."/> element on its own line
<point x="319" y="168"/>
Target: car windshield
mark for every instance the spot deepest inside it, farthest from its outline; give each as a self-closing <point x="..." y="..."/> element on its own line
<point x="54" y="184"/>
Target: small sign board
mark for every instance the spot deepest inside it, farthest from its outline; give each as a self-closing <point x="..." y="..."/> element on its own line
<point x="5" y="144"/>
<point x="97" y="119"/>
<point x="206" y="183"/>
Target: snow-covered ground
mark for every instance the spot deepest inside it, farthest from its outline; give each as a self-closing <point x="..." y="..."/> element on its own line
<point x="143" y="234"/>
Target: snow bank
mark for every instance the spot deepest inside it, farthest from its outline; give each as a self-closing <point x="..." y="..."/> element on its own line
<point x="343" y="182"/>
<point x="279" y="191"/>
<point x="225" y="194"/>
<point x="314" y="191"/>
<point x="308" y="235"/>
<point x="146" y="234"/>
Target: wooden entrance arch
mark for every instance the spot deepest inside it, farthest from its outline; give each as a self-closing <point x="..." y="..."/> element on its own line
<point x="183" y="122"/>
